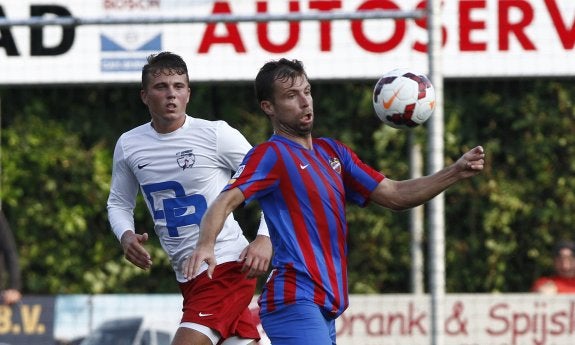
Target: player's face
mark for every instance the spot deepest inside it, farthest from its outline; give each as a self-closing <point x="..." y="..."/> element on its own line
<point x="167" y="95"/>
<point x="291" y="111"/>
<point x="565" y="263"/>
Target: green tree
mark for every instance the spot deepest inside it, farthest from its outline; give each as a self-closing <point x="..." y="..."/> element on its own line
<point x="54" y="192"/>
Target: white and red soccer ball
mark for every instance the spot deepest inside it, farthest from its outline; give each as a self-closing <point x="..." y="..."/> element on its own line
<point x="403" y="98"/>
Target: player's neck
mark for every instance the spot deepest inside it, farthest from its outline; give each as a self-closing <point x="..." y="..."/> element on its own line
<point x="164" y="126"/>
<point x="305" y="141"/>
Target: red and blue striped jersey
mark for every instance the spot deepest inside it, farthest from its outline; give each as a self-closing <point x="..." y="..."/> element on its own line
<point x="303" y="194"/>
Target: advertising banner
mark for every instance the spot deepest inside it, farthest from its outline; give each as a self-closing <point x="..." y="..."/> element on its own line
<point x="481" y="38"/>
<point x="391" y="319"/>
<point x="30" y="322"/>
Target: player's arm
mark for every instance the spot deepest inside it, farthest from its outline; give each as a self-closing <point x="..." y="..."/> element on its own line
<point x="120" y="205"/>
<point x="401" y="195"/>
<point x="232" y="148"/>
<point x="122" y="223"/>
<point x="257" y="255"/>
<point x="210" y="226"/>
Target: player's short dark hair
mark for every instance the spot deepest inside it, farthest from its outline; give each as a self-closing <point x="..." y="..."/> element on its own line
<point x="282" y="69"/>
<point x="562" y="245"/>
<point x="164" y="61"/>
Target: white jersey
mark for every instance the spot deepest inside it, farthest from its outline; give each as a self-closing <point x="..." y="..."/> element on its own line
<point x="179" y="174"/>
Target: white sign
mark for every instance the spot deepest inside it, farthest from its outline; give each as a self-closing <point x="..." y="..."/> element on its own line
<point x="481" y="38"/>
<point x="470" y="319"/>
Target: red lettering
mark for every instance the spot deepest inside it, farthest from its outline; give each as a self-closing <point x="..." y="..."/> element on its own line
<point x="374" y="325"/>
<point x="536" y="324"/>
<point x="408" y="322"/>
<point x="347" y="322"/>
<point x="422" y="23"/>
<point x="514" y="18"/>
<point x="374" y="47"/>
<point x="467" y="25"/>
<point x="233" y="36"/>
<point x="506" y="28"/>
<point x="494" y="315"/>
<point x="416" y="321"/>
<point x="325" y="25"/>
<point x="293" y="32"/>
<point x="556" y="321"/>
<point x="520" y="326"/>
<point x="566" y="35"/>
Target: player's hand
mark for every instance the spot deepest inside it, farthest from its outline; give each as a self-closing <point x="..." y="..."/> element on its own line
<point x="472" y="162"/>
<point x="134" y="250"/>
<point x="11" y="296"/>
<point x="193" y="263"/>
<point x="257" y="256"/>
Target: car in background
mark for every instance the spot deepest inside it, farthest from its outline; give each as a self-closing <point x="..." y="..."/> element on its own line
<point x="127" y="331"/>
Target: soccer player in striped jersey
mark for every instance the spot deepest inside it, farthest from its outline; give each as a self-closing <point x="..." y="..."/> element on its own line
<point x="181" y="164"/>
<point x="302" y="184"/>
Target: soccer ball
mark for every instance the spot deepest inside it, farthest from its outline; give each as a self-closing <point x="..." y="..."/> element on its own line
<point x="403" y="98"/>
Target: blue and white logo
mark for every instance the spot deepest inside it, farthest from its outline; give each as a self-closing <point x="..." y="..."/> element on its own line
<point x="128" y="52"/>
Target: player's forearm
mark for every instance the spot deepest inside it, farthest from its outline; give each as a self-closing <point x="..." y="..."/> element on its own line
<point x="216" y="215"/>
<point x="211" y="226"/>
<point x="418" y="191"/>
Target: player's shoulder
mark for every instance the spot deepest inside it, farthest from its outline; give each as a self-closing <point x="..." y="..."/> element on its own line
<point x="325" y="140"/>
<point x="201" y="122"/>
<point x="218" y="127"/>
<point x="198" y="122"/>
<point x="265" y="145"/>
<point x="330" y="142"/>
<point x="142" y="129"/>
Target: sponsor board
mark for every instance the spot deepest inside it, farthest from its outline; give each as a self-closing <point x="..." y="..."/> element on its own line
<point x="480" y="38"/>
<point x="392" y="319"/>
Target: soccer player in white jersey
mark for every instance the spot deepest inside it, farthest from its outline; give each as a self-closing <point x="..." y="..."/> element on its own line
<point x="181" y="164"/>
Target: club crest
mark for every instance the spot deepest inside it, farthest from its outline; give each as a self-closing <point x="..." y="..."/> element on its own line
<point x="186" y="159"/>
<point x="335" y="164"/>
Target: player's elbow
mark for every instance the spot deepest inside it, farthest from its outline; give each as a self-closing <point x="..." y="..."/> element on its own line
<point x="389" y="195"/>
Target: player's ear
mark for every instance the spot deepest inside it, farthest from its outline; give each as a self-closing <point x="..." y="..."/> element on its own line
<point x="143" y="96"/>
<point x="267" y="107"/>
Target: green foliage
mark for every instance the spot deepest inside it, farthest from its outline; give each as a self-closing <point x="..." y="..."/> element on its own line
<point x="523" y="202"/>
<point x="54" y="193"/>
<point x="57" y="145"/>
<point x="50" y="198"/>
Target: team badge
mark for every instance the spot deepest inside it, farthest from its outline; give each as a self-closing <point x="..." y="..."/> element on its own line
<point x="186" y="159"/>
<point x="335" y="164"/>
<point x="239" y="171"/>
<point x="237" y="174"/>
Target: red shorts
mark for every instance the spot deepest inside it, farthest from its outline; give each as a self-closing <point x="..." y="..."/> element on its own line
<point x="222" y="303"/>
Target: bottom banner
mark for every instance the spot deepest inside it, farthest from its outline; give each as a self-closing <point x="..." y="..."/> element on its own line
<point x="152" y="319"/>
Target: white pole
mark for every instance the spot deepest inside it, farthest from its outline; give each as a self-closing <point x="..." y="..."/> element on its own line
<point x="436" y="158"/>
<point x="416" y="217"/>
